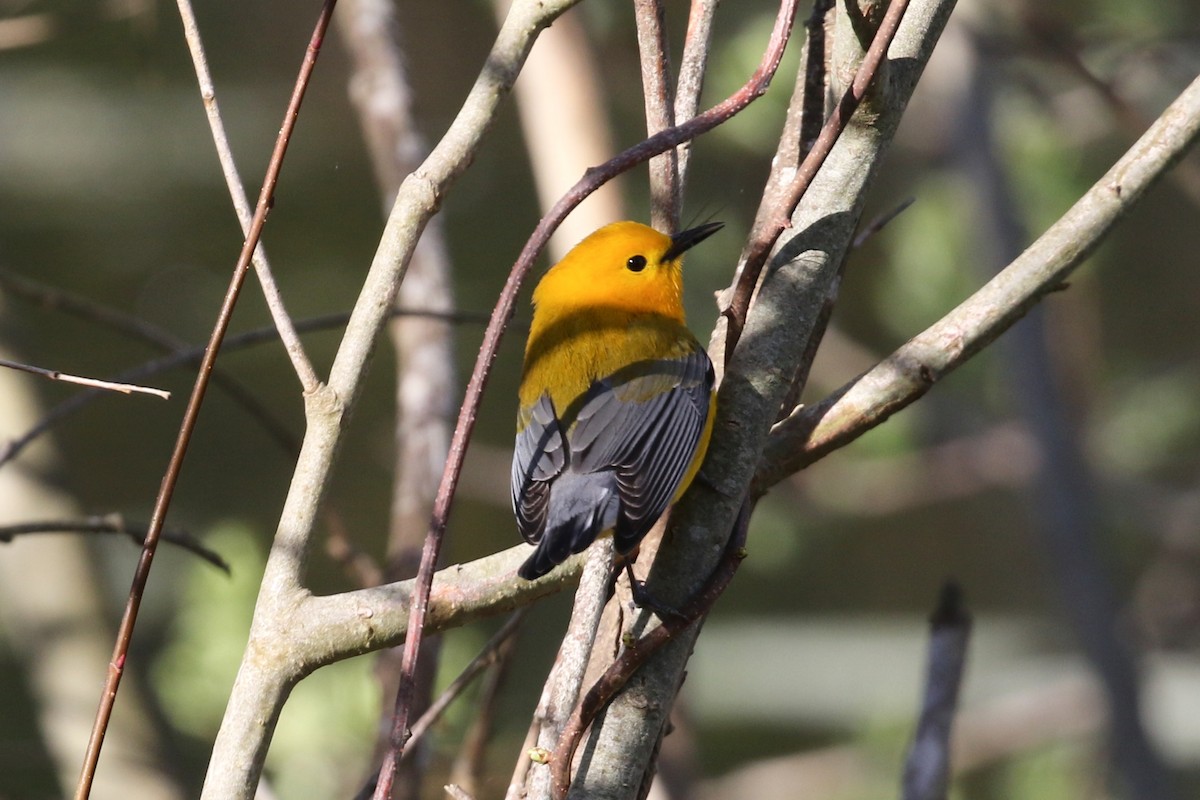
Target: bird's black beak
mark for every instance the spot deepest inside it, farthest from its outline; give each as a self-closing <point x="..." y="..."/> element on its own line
<point x="684" y="240"/>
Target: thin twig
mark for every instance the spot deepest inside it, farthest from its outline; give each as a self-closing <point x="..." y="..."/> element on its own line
<point x="127" y="324"/>
<point x="237" y="192"/>
<point x="194" y="355"/>
<point x="755" y="87"/>
<point x="114" y="523"/>
<point x="55" y="299"/>
<point x="880" y="222"/>
<point x="116" y="667"/>
<point x="757" y="257"/>
<point x="94" y="383"/>
<point x="488" y="656"/>
<point x="636" y="654"/>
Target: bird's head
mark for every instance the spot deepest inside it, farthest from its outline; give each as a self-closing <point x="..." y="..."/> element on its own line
<point x="626" y="266"/>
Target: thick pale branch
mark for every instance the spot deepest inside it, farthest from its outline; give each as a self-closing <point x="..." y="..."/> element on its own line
<point x="245" y="732"/>
<point x="756" y="381"/>
<point x="908" y="373"/>
<point x="561" y="692"/>
<point x="343" y="625"/>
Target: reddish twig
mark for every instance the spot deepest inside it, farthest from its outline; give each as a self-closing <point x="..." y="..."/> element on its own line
<point x="116" y="667"/>
<point x="760" y="248"/>
<point x="636" y="654"/>
<point x="754" y="88"/>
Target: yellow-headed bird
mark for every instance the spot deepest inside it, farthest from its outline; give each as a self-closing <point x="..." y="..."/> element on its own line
<point x="617" y="398"/>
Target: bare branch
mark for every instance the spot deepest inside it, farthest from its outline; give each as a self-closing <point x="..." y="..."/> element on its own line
<point x="755" y="382"/>
<point x="56" y="299"/>
<point x="723" y="111"/>
<point x="692" y="66"/>
<point x="636" y="653"/>
<point x="566" y="678"/>
<point x="194" y="355"/>
<point x="94" y="383"/>
<point x="237" y="192"/>
<point x="927" y="767"/>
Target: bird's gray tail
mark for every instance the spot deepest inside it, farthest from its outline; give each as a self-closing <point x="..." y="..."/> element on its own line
<point x="581" y="508"/>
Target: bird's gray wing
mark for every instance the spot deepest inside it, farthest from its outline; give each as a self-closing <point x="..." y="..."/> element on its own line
<point x="643" y="423"/>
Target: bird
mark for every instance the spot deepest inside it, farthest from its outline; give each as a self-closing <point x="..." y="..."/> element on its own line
<point x="616" y="395"/>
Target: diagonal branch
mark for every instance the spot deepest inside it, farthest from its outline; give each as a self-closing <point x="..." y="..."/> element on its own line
<point x="237" y="192"/>
<point x="815" y="431"/>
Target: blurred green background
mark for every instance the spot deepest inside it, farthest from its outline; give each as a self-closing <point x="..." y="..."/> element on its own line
<point x="109" y="188"/>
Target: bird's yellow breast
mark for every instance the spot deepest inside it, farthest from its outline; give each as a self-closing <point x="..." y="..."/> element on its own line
<point x="566" y="353"/>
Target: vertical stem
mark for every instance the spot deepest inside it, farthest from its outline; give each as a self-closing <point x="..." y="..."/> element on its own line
<point x="665" y="198"/>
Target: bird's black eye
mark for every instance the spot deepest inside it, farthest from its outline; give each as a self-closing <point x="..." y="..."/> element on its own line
<point x="636" y="263"/>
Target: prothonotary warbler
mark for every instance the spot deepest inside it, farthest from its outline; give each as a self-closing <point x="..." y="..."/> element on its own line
<point x="617" y="399"/>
